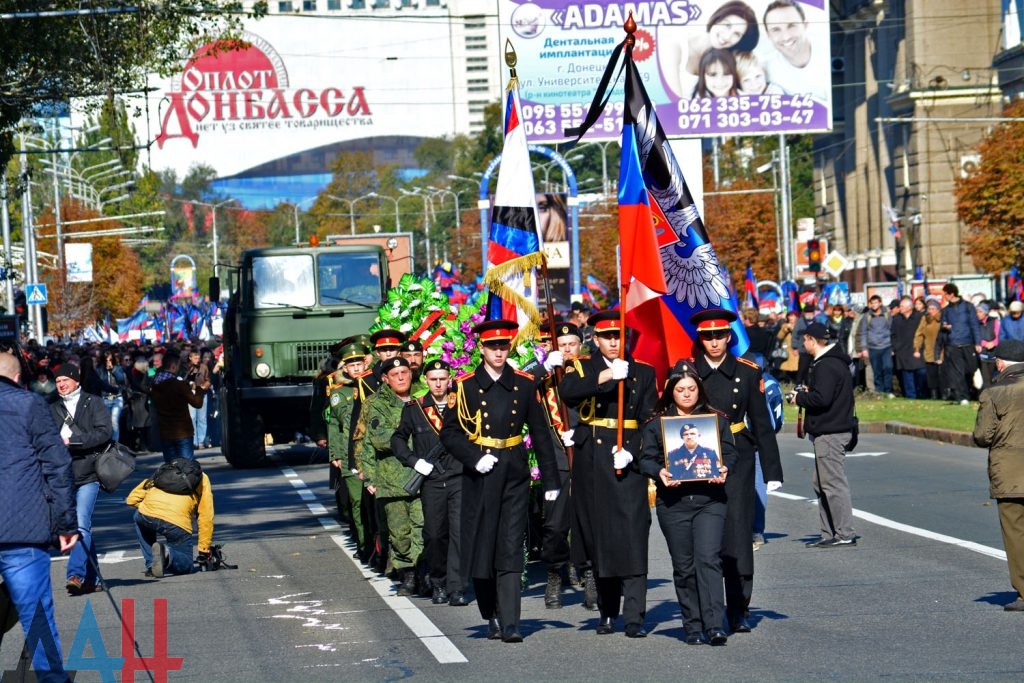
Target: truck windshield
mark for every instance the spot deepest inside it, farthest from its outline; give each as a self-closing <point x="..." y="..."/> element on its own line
<point x="285" y="280"/>
<point x="349" y="278"/>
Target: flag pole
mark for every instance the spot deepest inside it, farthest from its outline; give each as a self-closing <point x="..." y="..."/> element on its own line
<point x="630" y="27"/>
<point x="559" y="369"/>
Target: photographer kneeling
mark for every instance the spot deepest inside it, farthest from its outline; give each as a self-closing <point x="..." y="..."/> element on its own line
<point x="167" y="504"/>
<point x="829" y="404"/>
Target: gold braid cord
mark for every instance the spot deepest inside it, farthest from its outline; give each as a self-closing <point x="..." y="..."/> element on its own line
<point x="465" y="419"/>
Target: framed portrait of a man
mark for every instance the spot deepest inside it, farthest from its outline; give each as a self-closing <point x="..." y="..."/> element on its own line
<point x="693" y="450"/>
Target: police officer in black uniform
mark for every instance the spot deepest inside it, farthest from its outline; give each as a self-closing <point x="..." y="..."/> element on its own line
<point x="485" y="433"/>
<point x="736" y="388"/>
<point x="612" y="518"/>
<point x="441" y="492"/>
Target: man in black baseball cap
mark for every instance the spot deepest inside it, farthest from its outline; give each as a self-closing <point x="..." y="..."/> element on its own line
<point x="829" y="406"/>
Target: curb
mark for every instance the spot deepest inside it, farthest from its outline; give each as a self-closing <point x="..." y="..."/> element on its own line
<point x="905" y="429"/>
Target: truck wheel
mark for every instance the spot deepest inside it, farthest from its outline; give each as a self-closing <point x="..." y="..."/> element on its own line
<point x="242" y="436"/>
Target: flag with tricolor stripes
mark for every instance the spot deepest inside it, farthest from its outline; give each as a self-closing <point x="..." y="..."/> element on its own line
<point x="515" y="246"/>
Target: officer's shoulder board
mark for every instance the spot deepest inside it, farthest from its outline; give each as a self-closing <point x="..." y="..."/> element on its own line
<point x="460" y="380"/>
<point x="748" y="362"/>
<point x="526" y="375"/>
<point x="641" y="362"/>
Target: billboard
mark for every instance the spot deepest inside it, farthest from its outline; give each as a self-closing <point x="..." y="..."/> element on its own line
<point x="711" y="67"/>
<point x="302" y="83"/>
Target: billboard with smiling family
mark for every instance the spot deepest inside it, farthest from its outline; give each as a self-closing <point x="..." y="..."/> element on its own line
<point x="711" y="67"/>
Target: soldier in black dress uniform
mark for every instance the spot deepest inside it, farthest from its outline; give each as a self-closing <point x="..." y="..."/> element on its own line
<point x="441" y="492"/>
<point x="612" y="518"/>
<point x="735" y="387"/>
<point x="386" y="345"/>
<point x="485" y="433"/>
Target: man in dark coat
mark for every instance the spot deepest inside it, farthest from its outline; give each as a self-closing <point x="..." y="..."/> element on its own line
<point x="829" y="405"/>
<point x="612" y="518"/>
<point x="907" y="359"/>
<point x="735" y="387"/>
<point x="441" y="491"/>
<point x="485" y="433"/>
<point x="36" y="500"/>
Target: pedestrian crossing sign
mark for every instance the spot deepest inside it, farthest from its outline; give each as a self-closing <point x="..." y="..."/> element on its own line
<point x="35" y="295"/>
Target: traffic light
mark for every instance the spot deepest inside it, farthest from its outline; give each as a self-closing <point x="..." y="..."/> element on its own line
<point x="814" y="255"/>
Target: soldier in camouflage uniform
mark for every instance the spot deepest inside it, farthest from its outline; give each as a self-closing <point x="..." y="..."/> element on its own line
<point x="343" y="400"/>
<point x="385" y="476"/>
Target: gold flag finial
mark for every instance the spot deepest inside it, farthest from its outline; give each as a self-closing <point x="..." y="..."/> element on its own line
<point x="510" y="60"/>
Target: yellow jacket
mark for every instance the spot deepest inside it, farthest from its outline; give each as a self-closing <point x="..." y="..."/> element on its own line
<point x="178" y="509"/>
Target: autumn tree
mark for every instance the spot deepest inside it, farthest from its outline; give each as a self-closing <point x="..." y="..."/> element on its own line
<point x="990" y="200"/>
<point x="742" y="228"/>
<point x="98" y="49"/>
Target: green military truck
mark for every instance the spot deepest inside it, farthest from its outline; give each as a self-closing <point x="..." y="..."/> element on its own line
<point x="287" y="307"/>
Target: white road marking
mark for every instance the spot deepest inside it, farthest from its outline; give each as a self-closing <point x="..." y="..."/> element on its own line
<point x="913" y="530"/>
<point x="426" y="631"/>
<point x="857" y="454"/>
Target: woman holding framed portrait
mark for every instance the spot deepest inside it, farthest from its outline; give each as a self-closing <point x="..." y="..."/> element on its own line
<point x="687" y="451"/>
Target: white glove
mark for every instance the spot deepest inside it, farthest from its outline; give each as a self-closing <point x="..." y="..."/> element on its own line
<point x="567" y="439"/>
<point x="551" y="496"/>
<point x="553" y="360"/>
<point x="486" y="464"/>
<point x="621" y="459"/>
<point x="620" y="368"/>
<point x="423" y="467"/>
<point x="774" y="485"/>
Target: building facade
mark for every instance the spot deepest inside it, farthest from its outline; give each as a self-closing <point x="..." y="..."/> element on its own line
<point x="914" y="90"/>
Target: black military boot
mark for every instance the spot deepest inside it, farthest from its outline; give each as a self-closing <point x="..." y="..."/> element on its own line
<point x="589" y="590"/>
<point x="407" y="582"/>
<point x="553" y="592"/>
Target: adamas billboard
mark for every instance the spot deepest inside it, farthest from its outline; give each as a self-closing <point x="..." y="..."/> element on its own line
<point x="297" y="85"/>
<point x="711" y="67"/>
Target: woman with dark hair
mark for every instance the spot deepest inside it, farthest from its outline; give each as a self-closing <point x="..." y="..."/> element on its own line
<point x="691" y="514"/>
<point x="733" y="26"/>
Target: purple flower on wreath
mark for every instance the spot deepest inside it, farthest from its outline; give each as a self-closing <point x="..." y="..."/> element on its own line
<point x="476" y="318"/>
<point x="535" y="473"/>
<point x="528" y="441"/>
<point x="466" y="327"/>
<point x="448" y="346"/>
<point x="468" y="346"/>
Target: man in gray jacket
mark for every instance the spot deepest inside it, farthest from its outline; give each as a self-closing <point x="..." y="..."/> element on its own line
<point x="876" y="342"/>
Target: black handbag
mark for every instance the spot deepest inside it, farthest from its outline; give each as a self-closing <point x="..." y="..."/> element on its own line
<point x="114" y="465"/>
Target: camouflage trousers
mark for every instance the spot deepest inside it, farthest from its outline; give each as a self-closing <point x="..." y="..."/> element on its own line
<point x="405" y="530"/>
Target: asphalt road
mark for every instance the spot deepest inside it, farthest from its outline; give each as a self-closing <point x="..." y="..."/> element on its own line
<point x="919" y="598"/>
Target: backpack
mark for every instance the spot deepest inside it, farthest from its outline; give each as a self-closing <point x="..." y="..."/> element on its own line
<point x="180" y="476"/>
<point x="774" y="398"/>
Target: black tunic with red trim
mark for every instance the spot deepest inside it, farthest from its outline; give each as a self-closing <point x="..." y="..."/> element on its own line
<point x="422" y="420"/>
<point x="611" y="514"/>
<point x="495" y="505"/>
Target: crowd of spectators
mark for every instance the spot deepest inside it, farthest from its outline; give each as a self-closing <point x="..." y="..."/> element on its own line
<point x="932" y="347"/>
<point x="122" y="375"/>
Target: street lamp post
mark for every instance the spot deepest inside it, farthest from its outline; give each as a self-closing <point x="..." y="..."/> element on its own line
<point x="417" y="191"/>
<point x="441" y="192"/>
<point x="213" y="228"/>
<point x="398" y="220"/>
<point x="351" y="208"/>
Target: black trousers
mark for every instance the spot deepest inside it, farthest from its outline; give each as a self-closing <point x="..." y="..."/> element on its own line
<point x="500" y="597"/>
<point x="738" y="547"/>
<point x="442" y="532"/>
<point x="693" y="526"/>
<point x="630" y="591"/>
<point x="959" y="362"/>
<point x="555" y="528"/>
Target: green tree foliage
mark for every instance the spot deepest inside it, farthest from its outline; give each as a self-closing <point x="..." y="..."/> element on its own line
<point x="990" y="200"/>
<point x="98" y="49"/>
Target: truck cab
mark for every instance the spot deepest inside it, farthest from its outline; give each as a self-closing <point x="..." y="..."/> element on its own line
<point x="287" y="307"/>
